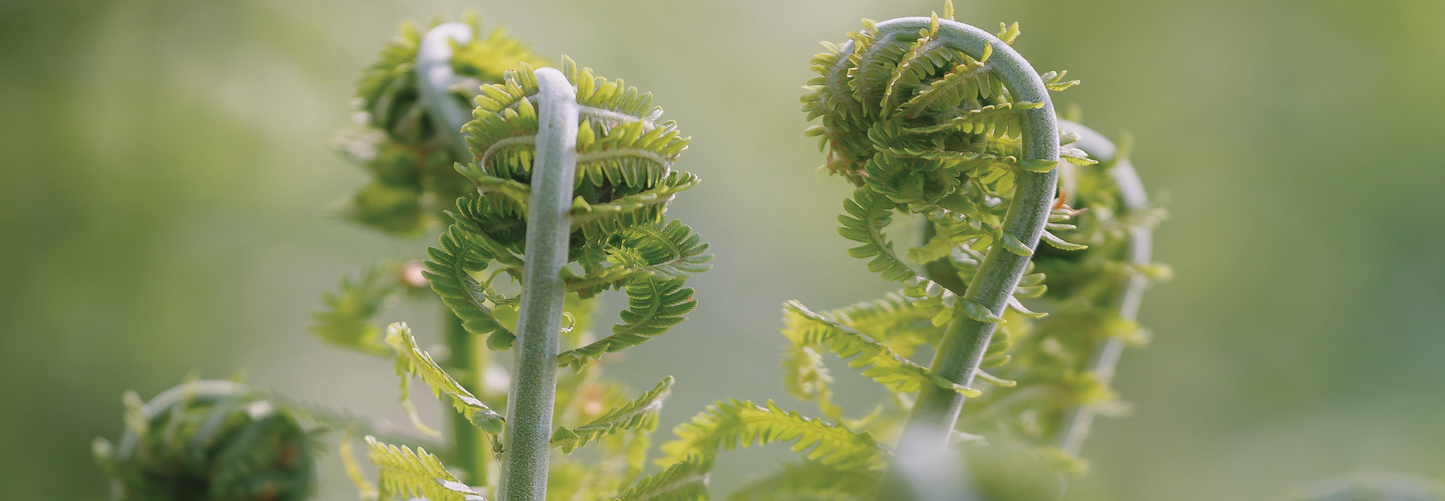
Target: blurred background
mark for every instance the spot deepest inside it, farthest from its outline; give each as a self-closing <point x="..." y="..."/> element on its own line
<point x="166" y="201"/>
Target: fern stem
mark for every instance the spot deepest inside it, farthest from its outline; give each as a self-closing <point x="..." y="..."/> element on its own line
<point x="466" y="364"/>
<point x="434" y="79"/>
<point x="1131" y="190"/>
<point x="958" y="355"/>
<point x="539" y="322"/>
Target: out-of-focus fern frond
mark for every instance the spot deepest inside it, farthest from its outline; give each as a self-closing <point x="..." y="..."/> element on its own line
<point x="403" y="473"/>
<point x="683" y="481"/>
<point x="727" y="425"/>
<point x="810" y="481"/>
<point x="898" y="374"/>
<point x="347" y="321"/>
<point x="639" y="414"/>
<point x="412" y="361"/>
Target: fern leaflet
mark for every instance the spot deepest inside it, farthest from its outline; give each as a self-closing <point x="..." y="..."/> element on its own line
<point x="639" y="414"/>
<point x="653" y="307"/>
<point x="898" y="374"/>
<point x="347" y="321"/>
<point x="727" y="425"/>
<point x="683" y="481"/>
<point x="403" y="473"/>
<point x="412" y="361"/>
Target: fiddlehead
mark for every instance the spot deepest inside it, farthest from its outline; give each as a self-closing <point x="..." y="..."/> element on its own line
<point x="410" y="112"/>
<point x="211" y="440"/>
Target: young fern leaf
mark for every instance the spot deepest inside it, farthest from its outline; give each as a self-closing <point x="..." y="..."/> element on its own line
<point x="347" y="320"/>
<point x="664" y="252"/>
<point x="683" y="481"/>
<point x="449" y="270"/>
<point x="639" y="414"/>
<point x="809" y="480"/>
<point x="898" y="374"/>
<point x="653" y="307"/>
<point x="727" y="425"/>
<point x="867" y="215"/>
<point x="403" y="473"/>
<point x="412" y="361"/>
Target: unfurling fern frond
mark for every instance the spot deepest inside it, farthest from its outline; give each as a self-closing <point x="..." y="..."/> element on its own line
<point x="412" y="361"/>
<point x="403" y="473"/>
<point x="639" y="414"/>
<point x="663" y="252"/>
<point x="683" y="481"/>
<point x="727" y="425"/>
<point x="810" y="480"/>
<point x="653" y="307"/>
<point x="400" y="142"/>
<point x="209" y="439"/>
<point x="347" y="321"/>
<point x="898" y="374"/>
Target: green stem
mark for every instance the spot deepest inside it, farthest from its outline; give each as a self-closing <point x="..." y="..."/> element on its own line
<point x="1131" y="191"/>
<point x="539" y="322"/>
<point x="435" y="77"/>
<point x="466" y="365"/>
<point x="963" y="345"/>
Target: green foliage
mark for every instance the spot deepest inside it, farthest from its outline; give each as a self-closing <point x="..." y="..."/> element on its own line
<point x="683" y="481"/>
<point x="807" y="329"/>
<point x="397" y="140"/>
<point x="403" y="473"/>
<point x="412" y="361"/>
<point x="639" y="414"/>
<point x="209" y="440"/>
<point x="810" y="481"/>
<point x="727" y="425"/>
<point x="348" y="320"/>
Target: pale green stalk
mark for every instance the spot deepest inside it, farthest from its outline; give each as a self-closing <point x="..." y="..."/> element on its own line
<point x="539" y="322"/>
<point x="434" y="77"/>
<point x="966" y="340"/>
<point x="1101" y="365"/>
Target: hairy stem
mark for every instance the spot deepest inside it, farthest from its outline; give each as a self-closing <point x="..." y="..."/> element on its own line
<point x="1131" y="190"/>
<point x="434" y="78"/>
<point x="963" y="345"/>
<point x="539" y="322"/>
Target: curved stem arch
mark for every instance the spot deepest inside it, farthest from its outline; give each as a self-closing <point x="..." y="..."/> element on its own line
<point x="963" y="345"/>
<point x="962" y="348"/>
<point x="1131" y="192"/>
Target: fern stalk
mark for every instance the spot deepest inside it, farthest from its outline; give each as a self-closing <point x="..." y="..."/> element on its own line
<point x="434" y="76"/>
<point x="964" y="343"/>
<point x="966" y="340"/>
<point x="539" y="321"/>
<point x="1131" y="191"/>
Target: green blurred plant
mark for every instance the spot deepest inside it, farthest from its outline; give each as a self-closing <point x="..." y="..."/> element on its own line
<point x="939" y="122"/>
<point x="557" y="179"/>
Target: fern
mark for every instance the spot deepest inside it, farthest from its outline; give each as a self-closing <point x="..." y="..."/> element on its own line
<point x="347" y="322"/>
<point x="810" y="481"/>
<point x="727" y="425"/>
<point x="403" y="473"/>
<point x="412" y="361"/>
<point x="639" y="414"/>
<point x="898" y="374"/>
<point x="653" y="307"/>
<point x="463" y="251"/>
<point x="683" y="481"/>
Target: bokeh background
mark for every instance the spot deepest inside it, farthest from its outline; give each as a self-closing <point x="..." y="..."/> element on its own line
<point x="166" y="195"/>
